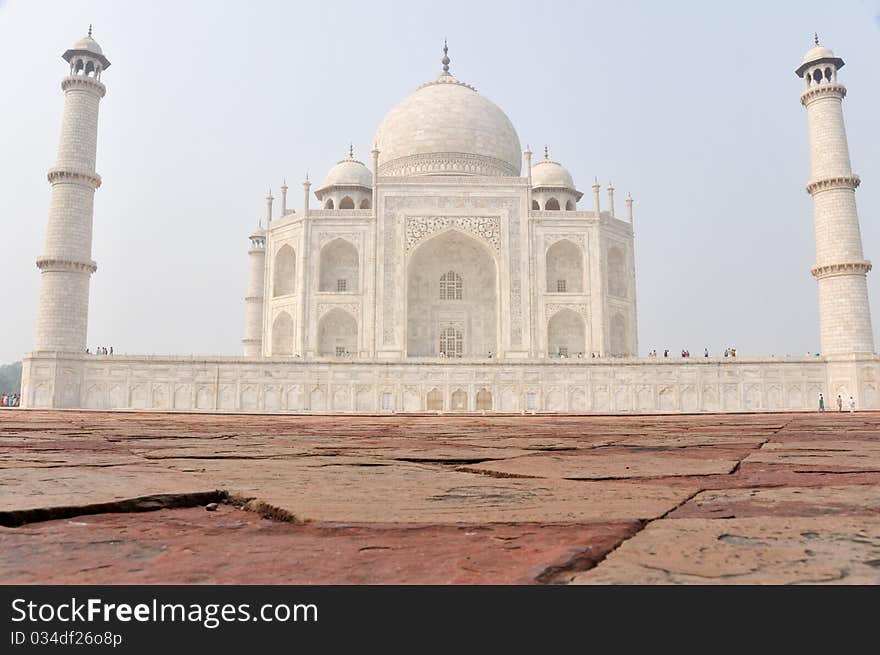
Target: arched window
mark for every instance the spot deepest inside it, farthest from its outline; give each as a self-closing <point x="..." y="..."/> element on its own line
<point x="484" y="399"/>
<point x="566" y="332"/>
<point x="284" y="274"/>
<point x="569" y="205"/>
<point x="90" y="69"/>
<point x="282" y="334"/>
<point x="552" y="204"/>
<point x="328" y="204"/>
<point x="365" y="203"/>
<point x="339" y="267"/>
<point x="618" y="335"/>
<point x="435" y="400"/>
<point x="451" y="342"/>
<point x="616" y="273"/>
<point x="450" y="286"/>
<point x="337" y="334"/>
<point x="565" y="268"/>
<point x="535" y="205"/>
<point x="346" y="203"/>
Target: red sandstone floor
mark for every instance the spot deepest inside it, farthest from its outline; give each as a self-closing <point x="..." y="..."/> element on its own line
<point x="706" y="499"/>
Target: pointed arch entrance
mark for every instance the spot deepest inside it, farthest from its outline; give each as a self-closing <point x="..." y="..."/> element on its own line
<point x="452" y="298"/>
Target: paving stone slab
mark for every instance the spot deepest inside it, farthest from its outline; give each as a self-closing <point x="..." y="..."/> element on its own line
<point x="760" y="550"/>
<point x="412" y="494"/>
<point x="616" y="463"/>
<point x="782" y="501"/>
<point x="228" y="546"/>
<point x="41" y="487"/>
<point x="835" y="455"/>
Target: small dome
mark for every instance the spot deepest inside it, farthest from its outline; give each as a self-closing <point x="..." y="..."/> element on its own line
<point x="818" y="52"/>
<point x="88" y="43"/>
<point x="549" y="173"/>
<point x="349" y="172"/>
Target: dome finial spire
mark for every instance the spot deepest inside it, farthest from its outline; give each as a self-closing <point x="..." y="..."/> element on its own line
<point x="351" y="151"/>
<point x="445" y="60"/>
<point x="90" y="30"/>
<point x="546" y="152"/>
<point x="816" y="38"/>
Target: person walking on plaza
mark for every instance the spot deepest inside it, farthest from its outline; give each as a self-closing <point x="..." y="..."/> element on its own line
<point x="839" y="403"/>
<point x="852" y="405"/>
<point x="821" y="403"/>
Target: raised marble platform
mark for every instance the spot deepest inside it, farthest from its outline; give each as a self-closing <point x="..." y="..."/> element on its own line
<point x="650" y="385"/>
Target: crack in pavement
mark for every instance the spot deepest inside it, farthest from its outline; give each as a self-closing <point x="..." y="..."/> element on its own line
<point x="16" y="518"/>
<point x="583" y="560"/>
<point x="560" y="572"/>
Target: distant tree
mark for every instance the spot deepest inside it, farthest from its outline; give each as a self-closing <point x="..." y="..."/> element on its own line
<point x="10" y="378"/>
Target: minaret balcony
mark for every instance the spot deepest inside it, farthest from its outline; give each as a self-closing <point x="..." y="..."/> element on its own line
<point x="836" y="182"/>
<point x="830" y="89"/>
<point x="847" y="268"/>
<point x="84" y="82"/>
<point x="69" y="174"/>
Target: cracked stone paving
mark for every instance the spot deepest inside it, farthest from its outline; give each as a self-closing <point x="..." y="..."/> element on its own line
<point x="152" y="498"/>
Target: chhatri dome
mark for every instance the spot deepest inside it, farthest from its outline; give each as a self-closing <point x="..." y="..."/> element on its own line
<point x="88" y="43"/>
<point x="89" y="48"/>
<point x="349" y="172"/>
<point x="549" y="173"/>
<point x="446" y="128"/>
<point x="552" y="185"/>
<point x="818" y="54"/>
<point x="348" y="185"/>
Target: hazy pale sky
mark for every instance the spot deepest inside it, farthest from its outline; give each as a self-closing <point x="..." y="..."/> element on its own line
<point x="691" y="106"/>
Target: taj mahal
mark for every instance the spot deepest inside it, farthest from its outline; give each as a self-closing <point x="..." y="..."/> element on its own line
<point x="452" y="270"/>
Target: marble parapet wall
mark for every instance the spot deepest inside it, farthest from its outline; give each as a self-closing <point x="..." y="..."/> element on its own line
<point x="632" y="385"/>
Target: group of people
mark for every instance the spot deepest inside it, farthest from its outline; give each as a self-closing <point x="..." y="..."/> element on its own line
<point x="101" y="350"/>
<point x="687" y="353"/>
<point x="10" y="400"/>
<point x="852" y="403"/>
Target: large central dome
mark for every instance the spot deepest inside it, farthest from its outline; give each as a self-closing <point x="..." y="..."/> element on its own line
<point x="446" y="128"/>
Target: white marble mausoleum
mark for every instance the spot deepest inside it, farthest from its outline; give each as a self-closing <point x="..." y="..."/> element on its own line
<point x="450" y="271"/>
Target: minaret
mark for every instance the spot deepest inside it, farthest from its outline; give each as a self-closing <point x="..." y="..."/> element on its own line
<point x="253" y="323"/>
<point x="269" y="201"/>
<point x="66" y="265"/>
<point x="527" y="153"/>
<point x="596" y="206"/>
<point x="844" y="315"/>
